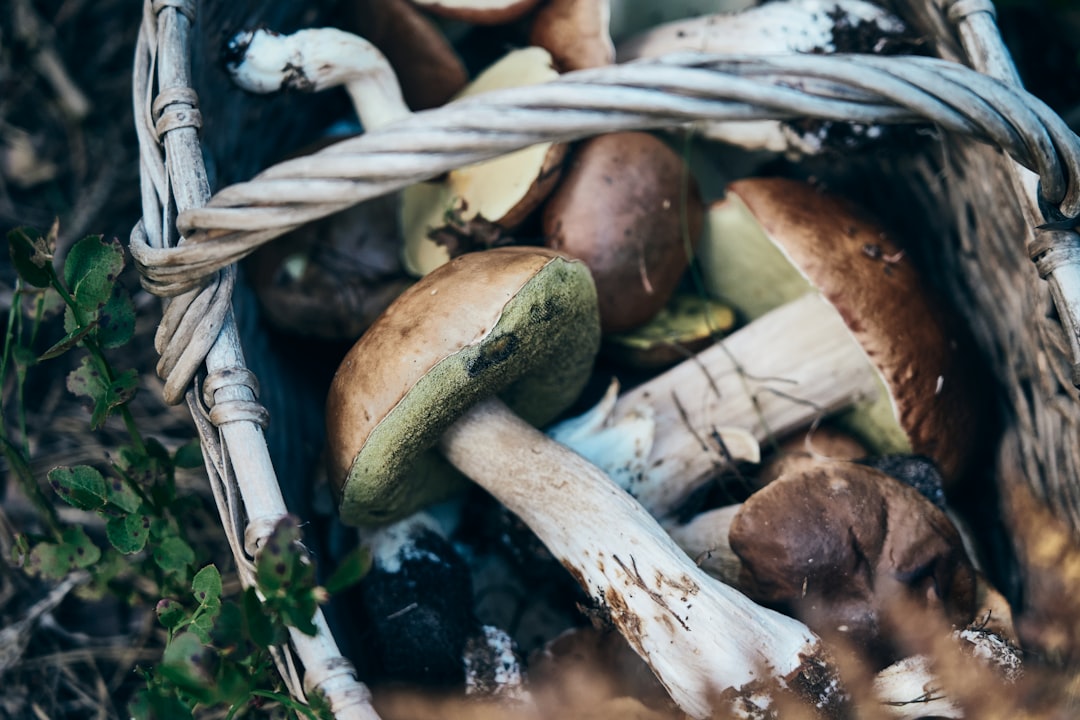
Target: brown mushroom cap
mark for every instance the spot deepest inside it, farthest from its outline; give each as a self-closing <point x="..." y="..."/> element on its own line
<point x="832" y="247"/>
<point x="516" y="322"/>
<point x="501" y="192"/>
<point x="825" y="442"/>
<point x="628" y="207"/>
<point x="330" y="279"/>
<point x="842" y="544"/>
<point x="481" y="12"/>
<point x="426" y="64"/>
<point x="575" y="32"/>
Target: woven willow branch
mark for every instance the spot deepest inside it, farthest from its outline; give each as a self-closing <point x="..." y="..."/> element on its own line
<point x="198" y="327"/>
<point x="673" y="92"/>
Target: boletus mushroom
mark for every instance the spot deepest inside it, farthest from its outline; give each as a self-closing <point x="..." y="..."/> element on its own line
<point x="770" y="241"/>
<point x="488" y="198"/>
<point x="518" y="328"/>
<point x="575" y="32"/>
<point x="427" y="66"/>
<point x="628" y="207"/>
<point x="845" y="546"/>
<point x="862" y="333"/>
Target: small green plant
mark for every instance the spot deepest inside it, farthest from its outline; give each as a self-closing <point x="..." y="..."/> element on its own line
<point x="216" y="654"/>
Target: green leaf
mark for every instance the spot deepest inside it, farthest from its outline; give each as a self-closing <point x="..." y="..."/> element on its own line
<point x="32" y="255"/>
<point x="158" y="703"/>
<point x="67" y="342"/>
<point x="172" y="554"/>
<point x="352" y="568"/>
<point x="206" y="585"/>
<point x="189" y="455"/>
<point x="150" y="470"/>
<point x="81" y="486"/>
<point x="229" y="628"/>
<point x="286" y="576"/>
<point x="277" y="561"/>
<point x="122" y="497"/>
<point x="202" y="626"/>
<point x="87" y="381"/>
<point x="116" y="320"/>
<point x="91" y="270"/>
<point x="186" y="662"/>
<point x="128" y="533"/>
<point x="170" y="613"/>
<point x="85" y="552"/>
<point x="260" y="628"/>
<point x="56" y="560"/>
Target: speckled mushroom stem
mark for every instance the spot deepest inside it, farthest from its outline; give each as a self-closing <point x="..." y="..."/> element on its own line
<point x="779" y="373"/>
<point x="786" y="26"/>
<point x="710" y="646"/>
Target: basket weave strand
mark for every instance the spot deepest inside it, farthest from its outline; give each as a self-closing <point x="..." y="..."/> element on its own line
<point x="240" y="218"/>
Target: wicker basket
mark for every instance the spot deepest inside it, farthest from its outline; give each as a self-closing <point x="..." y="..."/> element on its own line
<point x="1021" y="184"/>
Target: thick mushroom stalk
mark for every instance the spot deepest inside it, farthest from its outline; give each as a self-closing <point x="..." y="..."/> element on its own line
<point x="757" y="381"/>
<point x="840" y="322"/>
<point x="428" y="372"/>
<point x="785" y="26"/>
<point x="701" y="638"/>
<point x="262" y="61"/>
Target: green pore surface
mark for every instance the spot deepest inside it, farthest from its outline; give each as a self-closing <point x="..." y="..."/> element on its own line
<point x="537" y="359"/>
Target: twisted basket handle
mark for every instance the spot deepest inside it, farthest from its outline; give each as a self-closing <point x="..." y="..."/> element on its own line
<point x="675" y="91"/>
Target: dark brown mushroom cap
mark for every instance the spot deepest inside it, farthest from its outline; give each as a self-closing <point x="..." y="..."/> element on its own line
<point x="481" y="12"/>
<point x="330" y="279"/>
<point x="628" y="207"/>
<point x="575" y="32"/>
<point x="517" y="322"/>
<point x="426" y="64"/>
<point x="856" y="267"/>
<point x="843" y="545"/>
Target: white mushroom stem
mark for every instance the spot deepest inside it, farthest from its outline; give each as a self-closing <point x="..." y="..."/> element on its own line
<point x="908" y="690"/>
<point x="320" y="58"/>
<point x="702" y="639"/>
<point x="786" y="26"/>
<point x="782" y="372"/>
<point x="705" y="540"/>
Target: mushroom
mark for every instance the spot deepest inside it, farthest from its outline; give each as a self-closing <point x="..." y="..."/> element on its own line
<point x="480" y="12"/>
<point x="772" y="240"/>
<point x="495" y="195"/>
<point x="575" y="32"/>
<point x="827" y="528"/>
<point x="686" y="325"/>
<point x="330" y="279"/>
<point x="429" y="374"/>
<point x="427" y="66"/>
<point x="628" y="207"/>
<point x="842" y="545"/>
<point x="862" y="332"/>
<point x="785" y="26"/>
<point x="825" y="442"/>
